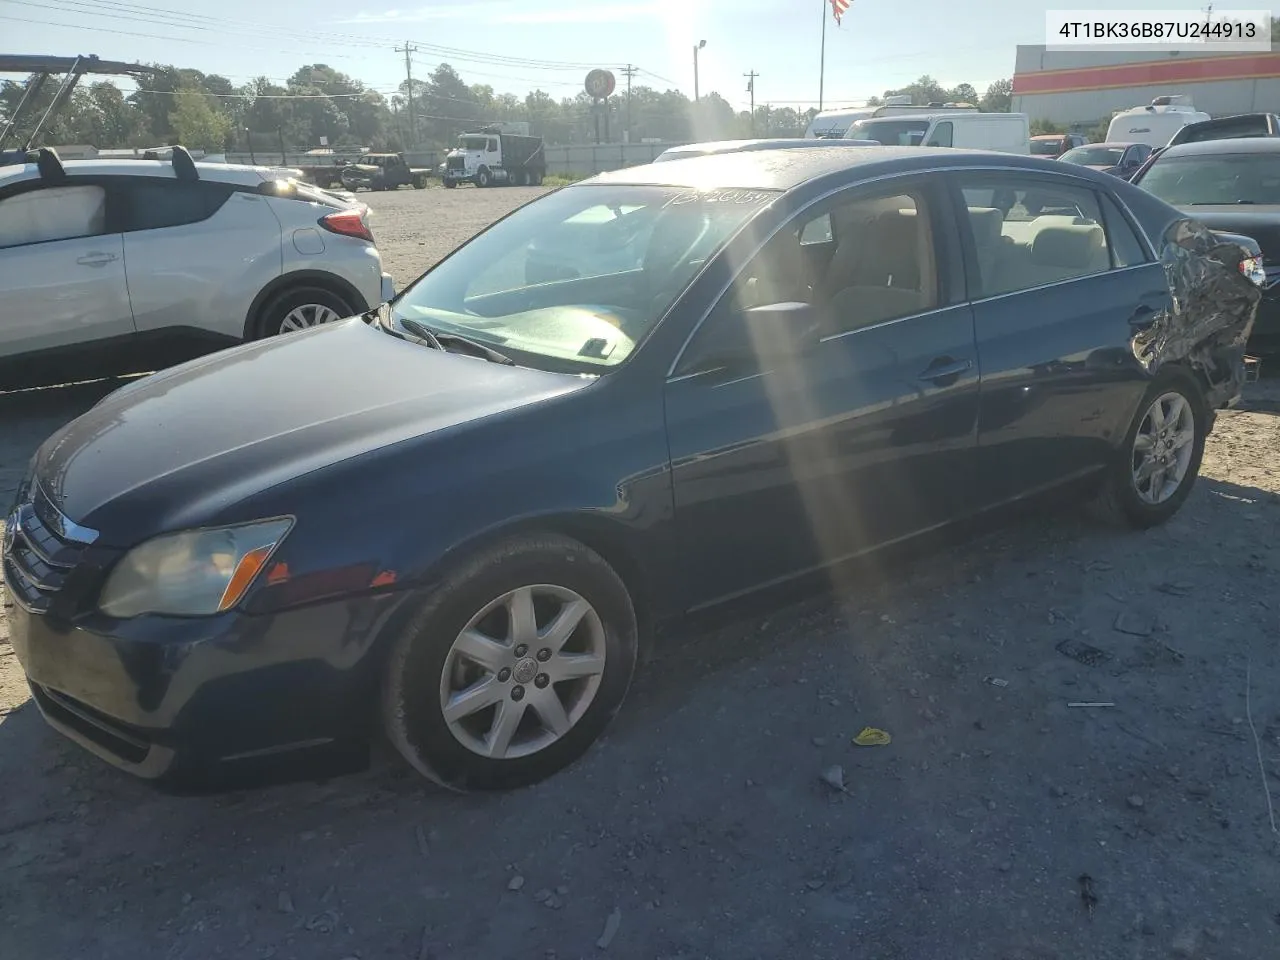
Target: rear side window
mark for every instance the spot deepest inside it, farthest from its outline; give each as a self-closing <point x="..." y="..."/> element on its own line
<point x="155" y="204"/>
<point x="1126" y="249"/>
<point x="52" y="213"/>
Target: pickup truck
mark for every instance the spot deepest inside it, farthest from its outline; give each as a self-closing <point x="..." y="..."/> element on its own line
<point x="383" y="171"/>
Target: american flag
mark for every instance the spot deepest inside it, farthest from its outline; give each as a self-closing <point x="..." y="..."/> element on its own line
<point x="839" y="8"/>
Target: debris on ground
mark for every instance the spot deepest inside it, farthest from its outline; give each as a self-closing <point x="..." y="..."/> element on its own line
<point x="995" y="681"/>
<point x="873" y="737"/>
<point x="1135" y="801"/>
<point x="611" y="925"/>
<point x="515" y="883"/>
<point x="833" y="777"/>
<point x="1089" y="703"/>
<point x="542" y="896"/>
<point x="422" y="840"/>
<point x="284" y="902"/>
<point x="1082" y="652"/>
<point x="1134" y="626"/>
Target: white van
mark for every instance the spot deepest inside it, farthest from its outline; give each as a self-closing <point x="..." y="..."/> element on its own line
<point x="1156" y="123"/>
<point x="834" y="124"/>
<point x="1002" y="132"/>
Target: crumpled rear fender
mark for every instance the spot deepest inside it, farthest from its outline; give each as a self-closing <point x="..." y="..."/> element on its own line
<point x="1211" y="311"/>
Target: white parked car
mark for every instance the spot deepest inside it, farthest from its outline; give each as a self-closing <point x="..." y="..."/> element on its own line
<point x="121" y="266"/>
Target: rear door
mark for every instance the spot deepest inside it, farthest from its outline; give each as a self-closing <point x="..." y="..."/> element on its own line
<point x="62" y="274"/>
<point x="1059" y="284"/>
<point x="197" y="253"/>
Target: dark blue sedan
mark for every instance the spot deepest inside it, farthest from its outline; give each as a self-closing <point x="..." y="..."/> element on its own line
<point x="459" y="516"/>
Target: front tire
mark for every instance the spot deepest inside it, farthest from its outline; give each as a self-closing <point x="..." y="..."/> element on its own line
<point x="483" y="177"/>
<point x="1160" y="459"/>
<point x="514" y="666"/>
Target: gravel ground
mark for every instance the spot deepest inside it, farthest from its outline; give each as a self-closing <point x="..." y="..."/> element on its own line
<point x="701" y="821"/>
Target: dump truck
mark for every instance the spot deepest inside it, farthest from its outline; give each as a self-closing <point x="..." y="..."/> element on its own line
<point x="493" y="156"/>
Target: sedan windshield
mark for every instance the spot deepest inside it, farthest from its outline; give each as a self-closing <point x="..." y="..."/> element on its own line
<point x="1046" y="148"/>
<point x="1222" y="179"/>
<point x="1094" y="156"/>
<point x="890" y="133"/>
<point x="575" y="280"/>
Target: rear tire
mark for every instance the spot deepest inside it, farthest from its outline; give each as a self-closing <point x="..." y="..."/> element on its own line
<point x="1157" y="465"/>
<point x="537" y="179"/>
<point x="463" y="649"/>
<point x="300" y="308"/>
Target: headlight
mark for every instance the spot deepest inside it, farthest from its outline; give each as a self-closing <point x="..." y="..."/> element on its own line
<point x="1252" y="268"/>
<point x="196" y="573"/>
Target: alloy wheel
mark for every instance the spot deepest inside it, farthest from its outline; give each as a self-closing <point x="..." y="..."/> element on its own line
<point x="1163" y="448"/>
<point x="523" y="671"/>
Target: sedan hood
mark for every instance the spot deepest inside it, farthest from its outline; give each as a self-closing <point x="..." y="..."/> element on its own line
<point x="172" y="450"/>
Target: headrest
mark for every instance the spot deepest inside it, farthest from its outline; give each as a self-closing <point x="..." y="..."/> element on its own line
<point x="1072" y="247"/>
<point x="988" y="223"/>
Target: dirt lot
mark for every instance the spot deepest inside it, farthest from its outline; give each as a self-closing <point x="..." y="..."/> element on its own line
<point x="702" y="818"/>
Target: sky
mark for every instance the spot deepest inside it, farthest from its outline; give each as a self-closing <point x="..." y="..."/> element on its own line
<point x="520" y="45"/>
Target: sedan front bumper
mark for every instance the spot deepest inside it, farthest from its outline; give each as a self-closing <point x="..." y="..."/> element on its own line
<point x="206" y="700"/>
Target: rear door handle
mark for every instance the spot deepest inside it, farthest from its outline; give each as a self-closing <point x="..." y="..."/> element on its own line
<point x="944" y="368"/>
<point x="96" y="259"/>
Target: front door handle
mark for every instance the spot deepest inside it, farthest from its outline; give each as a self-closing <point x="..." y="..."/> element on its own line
<point x="96" y="259"/>
<point x="944" y="368"/>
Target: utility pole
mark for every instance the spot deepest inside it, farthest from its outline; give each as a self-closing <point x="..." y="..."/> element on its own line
<point x="751" y="89"/>
<point x="628" y="71"/>
<point x="408" y="50"/>
<point x="701" y="44"/>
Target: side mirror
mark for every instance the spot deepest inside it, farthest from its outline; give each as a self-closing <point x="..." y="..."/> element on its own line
<point x="760" y="336"/>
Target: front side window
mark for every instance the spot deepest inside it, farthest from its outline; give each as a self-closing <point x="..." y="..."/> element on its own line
<point x="52" y="213"/>
<point x="577" y="278"/>
<point x="493" y="146"/>
<point x="1029" y="232"/>
<point x="1245" y="178"/>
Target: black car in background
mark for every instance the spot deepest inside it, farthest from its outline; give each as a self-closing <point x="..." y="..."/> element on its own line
<point x="1118" y="159"/>
<point x="1231" y="186"/>
<point x="460" y="516"/>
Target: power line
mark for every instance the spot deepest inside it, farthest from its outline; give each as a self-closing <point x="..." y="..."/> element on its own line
<point x="141" y="13"/>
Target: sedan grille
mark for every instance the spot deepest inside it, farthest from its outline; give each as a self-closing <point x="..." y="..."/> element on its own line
<point x="40" y="552"/>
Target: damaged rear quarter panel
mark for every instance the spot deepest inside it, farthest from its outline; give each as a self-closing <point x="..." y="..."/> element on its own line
<point x="1212" y="304"/>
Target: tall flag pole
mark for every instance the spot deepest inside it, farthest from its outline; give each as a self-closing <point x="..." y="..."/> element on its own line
<point x="838" y="9"/>
<point x="822" y="57"/>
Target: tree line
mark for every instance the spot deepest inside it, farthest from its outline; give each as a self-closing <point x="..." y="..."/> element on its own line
<point x="319" y="104"/>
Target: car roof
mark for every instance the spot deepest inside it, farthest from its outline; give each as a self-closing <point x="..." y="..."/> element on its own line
<point x="1231" y="145"/>
<point x="1051" y="136"/>
<point x="1112" y="144"/>
<point x="790" y="167"/>
<point x="238" y="174"/>
<point x="730" y="146"/>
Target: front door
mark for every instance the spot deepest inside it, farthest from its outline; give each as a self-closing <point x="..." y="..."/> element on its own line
<point x="867" y="436"/>
<point x="62" y="276"/>
<point x="1060" y="283"/>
